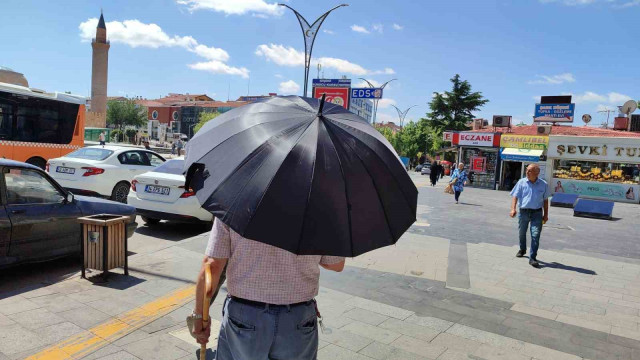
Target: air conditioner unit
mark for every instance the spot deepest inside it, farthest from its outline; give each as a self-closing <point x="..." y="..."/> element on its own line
<point x="544" y="129"/>
<point x="501" y="121"/>
<point x="635" y="123"/>
<point x="620" y="123"/>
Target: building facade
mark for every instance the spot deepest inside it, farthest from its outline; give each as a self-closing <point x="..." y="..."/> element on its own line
<point x="362" y="108"/>
<point x="97" y="115"/>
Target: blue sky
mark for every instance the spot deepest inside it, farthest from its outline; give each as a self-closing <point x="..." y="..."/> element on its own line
<point x="512" y="51"/>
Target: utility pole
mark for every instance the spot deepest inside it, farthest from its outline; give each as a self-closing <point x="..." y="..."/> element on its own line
<point x="375" y="101"/>
<point x="309" y="33"/>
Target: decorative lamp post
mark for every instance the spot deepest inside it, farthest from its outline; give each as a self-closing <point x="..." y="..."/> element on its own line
<point x="375" y="101"/>
<point x="402" y="114"/>
<point x="309" y="33"/>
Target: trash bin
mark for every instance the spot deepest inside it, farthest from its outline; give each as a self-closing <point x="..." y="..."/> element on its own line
<point x="104" y="243"/>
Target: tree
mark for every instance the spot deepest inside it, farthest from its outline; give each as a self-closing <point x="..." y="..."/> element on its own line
<point x="125" y="113"/>
<point x="203" y="118"/>
<point x="116" y="136"/>
<point x="131" y="135"/>
<point x="452" y="110"/>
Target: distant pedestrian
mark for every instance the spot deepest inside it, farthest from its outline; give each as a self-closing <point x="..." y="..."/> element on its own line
<point x="434" y="175"/>
<point x="146" y="145"/>
<point x="103" y="138"/>
<point x="533" y="195"/>
<point x="179" y="146"/>
<point x="173" y="148"/>
<point x="459" y="179"/>
<point x="270" y="311"/>
<point x="440" y="169"/>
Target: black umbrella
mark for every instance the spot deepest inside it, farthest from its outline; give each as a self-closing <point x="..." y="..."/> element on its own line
<point x="303" y="175"/>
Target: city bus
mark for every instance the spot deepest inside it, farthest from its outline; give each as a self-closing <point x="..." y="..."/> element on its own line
<point x="36" y="126"/>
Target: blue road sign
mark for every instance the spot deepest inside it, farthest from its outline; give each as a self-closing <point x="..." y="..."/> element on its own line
<point x="554" y="112"/>
<point x="332" y="82"/>
<point x="366" y="93"/>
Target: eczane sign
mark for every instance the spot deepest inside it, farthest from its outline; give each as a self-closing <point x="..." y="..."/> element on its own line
<point x="475" y="139"/>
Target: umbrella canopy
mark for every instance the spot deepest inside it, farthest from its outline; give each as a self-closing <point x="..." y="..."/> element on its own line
<point x="302" y="175"/>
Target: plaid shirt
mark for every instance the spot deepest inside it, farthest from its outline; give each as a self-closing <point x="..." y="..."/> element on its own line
<point x="265" y="273"/>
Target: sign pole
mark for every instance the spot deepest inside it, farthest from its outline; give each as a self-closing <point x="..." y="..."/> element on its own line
<point x="309" y="33"/>
<point x="375" y="102"/>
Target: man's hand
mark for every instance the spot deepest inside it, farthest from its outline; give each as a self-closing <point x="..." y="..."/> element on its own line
<point x="202" y="334"/>
<point x="513" y="213"/>
<point x="545" y="218"/>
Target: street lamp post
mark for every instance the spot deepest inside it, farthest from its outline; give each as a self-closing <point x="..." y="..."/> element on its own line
<point x="375" y="101"/>
<point x="402" y="114"/>
<point x="309" y="33"/>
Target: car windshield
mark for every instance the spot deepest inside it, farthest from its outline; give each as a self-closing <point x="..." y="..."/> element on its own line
<point x="90" y="154"/>
<point x="173" y="166"/>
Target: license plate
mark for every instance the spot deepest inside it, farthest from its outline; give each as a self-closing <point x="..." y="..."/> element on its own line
<point x="65" y="170"/>
<point x="153" y="189"/>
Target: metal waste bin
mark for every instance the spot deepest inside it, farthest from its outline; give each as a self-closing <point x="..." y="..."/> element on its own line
<point x="104" y="243"/>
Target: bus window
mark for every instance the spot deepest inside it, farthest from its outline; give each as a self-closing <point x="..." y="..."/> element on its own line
<point x="45" y="121"/>
<point x="6" y="120"/>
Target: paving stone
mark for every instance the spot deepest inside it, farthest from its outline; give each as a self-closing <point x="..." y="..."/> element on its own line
<point x="380" y="351"/>
<point x="365" y="316"/>
<point x="38" y="292"/>
<point x="493" y="327"/>
<point x="543" y="353"/>
<point x="584" y="323"/>
<point x="16" y="304"/>
<point x="409" y="329"/>
<point x="418" y="347"/>
<point x="132" y="337"/>
<point x="58" y="332"/>
<point x="589" y="296"/>
<point x="613" y="350"/>
<point x="120" y="355"/>
<point x="485" y="337"/>
<point x="372" y="332"/>
<point x="93" y="294"/>
<point x="626" y="303"/>
<point x="160" y="324"/>
<point x="154" y="348"/>
<point x="15" y="339"/>
<point x="452" y="354"/>
<point x="56" y="303"/>
<point x="492" y="353"/>
<point x="322" y="344"/>
<point x="36" y="318"/>
<point x="85" y="316"/>
<point x="430" y="322"/>
<point x="345" y="339"/>
<point x="333" y="352"/>
<point x="456" y="343"/>
<point x="336" y="321"/>
<point x="5" y="320"/>
<point x="624" y="341"/>
<point x="112" y="305"/>
<point x="631" y="334"/>
<point x="533" y="311"/>
<point x="379" y="308"/>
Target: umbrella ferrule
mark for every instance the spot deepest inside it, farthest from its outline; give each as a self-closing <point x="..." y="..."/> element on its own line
<point x="321" y="104"/>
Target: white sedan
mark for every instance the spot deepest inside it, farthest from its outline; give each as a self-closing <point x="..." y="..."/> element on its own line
<point x="103" y="171"/>
<point x="160" y="195"/>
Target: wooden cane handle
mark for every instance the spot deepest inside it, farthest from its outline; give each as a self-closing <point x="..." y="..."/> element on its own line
<point x="205" y="307"/>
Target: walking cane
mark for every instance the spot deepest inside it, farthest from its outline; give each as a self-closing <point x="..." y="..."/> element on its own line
<point x="205" y="307"/>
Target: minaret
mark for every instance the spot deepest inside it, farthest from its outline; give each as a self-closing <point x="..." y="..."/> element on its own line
<point x="99" y="69"/>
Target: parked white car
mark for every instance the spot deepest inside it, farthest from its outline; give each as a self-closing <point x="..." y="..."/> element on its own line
<point x="160" y="195"/>
<point x="103" y="171"/>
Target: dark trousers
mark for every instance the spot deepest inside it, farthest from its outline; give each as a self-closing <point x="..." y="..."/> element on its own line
<point x="530" y="220"/>
<point x="458" y="195"/>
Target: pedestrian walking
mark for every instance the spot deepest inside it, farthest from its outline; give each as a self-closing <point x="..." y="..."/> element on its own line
<point x="433" y="176"/>
<point x="147" y="146"/>
<point x="459" y="179"/>
<point x="179" y="146"/>
<point x="532" y="194"/>
<point x="441" y="169"/>
<point x="270" y="311"/>
<point x="173" y="148"/>
<point x="102" y="138"/>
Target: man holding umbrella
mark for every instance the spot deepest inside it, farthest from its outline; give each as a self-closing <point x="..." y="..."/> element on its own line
<point x="293" y="188"/>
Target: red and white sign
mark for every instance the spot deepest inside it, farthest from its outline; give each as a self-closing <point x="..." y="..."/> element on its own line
<point x="476" y="139"/>
<point x="447" y="136"/>
<point x="336" y="95"/>
<point x="478" y="164"/>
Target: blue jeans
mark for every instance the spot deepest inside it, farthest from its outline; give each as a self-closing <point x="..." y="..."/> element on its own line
<point x="535" y="218"/>
<point x="251" y="332"/>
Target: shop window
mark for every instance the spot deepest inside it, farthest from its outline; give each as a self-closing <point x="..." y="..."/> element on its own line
<point x="620" y="173"/>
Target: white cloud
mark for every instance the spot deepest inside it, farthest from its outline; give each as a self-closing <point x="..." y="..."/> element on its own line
<point x="289" y="87"/>
<point x="278" y="76"/>
<point x="330" y="32"/>
<point x="379" y="28"/>
<point x="612" y="98"/>
<point x="218" y="67"/>
<point x="617" y="98"/>
<point x="135" y="33"/>
<point x="386" y="103"/>
<point x="554" y="79"/>
<point x="630" y="4"/>
<point x="288" y="56"/>
<point x="360" y="29"/>
<point x="260" y="8"/>
<point x="602" y="107"/>
<point x="397" y="27"/>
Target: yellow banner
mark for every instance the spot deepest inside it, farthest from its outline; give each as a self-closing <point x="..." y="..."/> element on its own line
<point x="524" y="141"/>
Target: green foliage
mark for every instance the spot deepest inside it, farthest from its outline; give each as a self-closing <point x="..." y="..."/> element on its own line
<point x="131" y="134"/>
<point x="452" y="110"/>
<point x="203" y="118"/>
<point x="116" y="136"/>
<point x="125" y="113"/>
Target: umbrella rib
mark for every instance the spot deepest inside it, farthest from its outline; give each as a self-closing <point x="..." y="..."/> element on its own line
<point x="374" y="185"/>
<point x="376" y="154"/>
<point x="344" y="178"/>
<point x="306" y="206"/>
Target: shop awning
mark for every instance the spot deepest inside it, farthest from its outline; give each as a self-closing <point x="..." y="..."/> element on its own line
<point x="513" y="154"/>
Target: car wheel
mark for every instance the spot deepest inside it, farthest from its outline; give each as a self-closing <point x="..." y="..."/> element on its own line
<point x="149" y="221"/>
<point x="120" y="192"/>
<point x="37" y="161"/>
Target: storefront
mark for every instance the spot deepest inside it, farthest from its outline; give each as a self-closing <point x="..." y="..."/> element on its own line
<point x="479" y="152"/>
<point x="516" y="153"/>
<point x="595" y="167"/>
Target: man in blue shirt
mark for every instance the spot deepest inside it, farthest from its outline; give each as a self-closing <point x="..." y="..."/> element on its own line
<point x="533" y="195"/>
